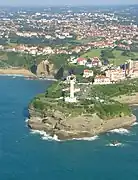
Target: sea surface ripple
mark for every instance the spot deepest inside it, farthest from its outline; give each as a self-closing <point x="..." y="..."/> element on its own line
<point x="32" y="156"/>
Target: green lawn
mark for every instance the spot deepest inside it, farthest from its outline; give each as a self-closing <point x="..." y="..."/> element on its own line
<point x="12" y="44"/>
<point x="119" y="59"/>
<point x="92" y="53"/>
<point x="89" y="39"/>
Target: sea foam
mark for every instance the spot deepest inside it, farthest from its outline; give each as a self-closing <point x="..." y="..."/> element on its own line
<point x="26" y="120"/>
<point x="47" y="137"/>
<point x="115" y="145"/>
<point x="86" y="138"/>
<point x="135" y="124"/>
<point x="121" y="131"/>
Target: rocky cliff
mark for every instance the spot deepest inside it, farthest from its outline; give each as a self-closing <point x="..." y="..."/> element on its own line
<point x="45" y="69"/>
<point x="55" y="123"/>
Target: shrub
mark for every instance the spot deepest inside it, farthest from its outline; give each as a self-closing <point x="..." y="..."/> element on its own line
<point x="38" y="104"/>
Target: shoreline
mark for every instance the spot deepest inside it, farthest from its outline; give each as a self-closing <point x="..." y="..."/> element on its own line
<point x="21" y="72"/>
<point x="67" y="135"/>
<point x="80" y="126"/>
<point x="16" y="72"/>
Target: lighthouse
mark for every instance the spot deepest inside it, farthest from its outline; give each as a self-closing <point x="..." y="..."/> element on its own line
<point x="72" y="90"/>
<point x="72" y="84"/>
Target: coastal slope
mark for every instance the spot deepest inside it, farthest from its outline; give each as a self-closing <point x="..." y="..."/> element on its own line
<point x="17" y="71"/>
<point x="98" y="109"/>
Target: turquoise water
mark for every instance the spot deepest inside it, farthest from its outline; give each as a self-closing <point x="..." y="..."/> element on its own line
<point x="25" y="156"/>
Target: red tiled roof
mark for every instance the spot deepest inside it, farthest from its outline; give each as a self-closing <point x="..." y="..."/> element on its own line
<point x="81" y="59"/>
<point x="86" y="70"/>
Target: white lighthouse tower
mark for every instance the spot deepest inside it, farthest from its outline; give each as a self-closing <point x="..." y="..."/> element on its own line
<point x="72" y="84"/>
<point x="72" y="90"/>
<point x="130" y="67"/>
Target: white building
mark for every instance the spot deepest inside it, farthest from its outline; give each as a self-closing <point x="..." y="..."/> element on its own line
<point x="87" y="73"/>
<point x="132" y="68"/>
<point x="115" y="74"/>
<point x="72" y="60"/>
<point x="48" y="50"/>
<point x="81" y="61"/>
<point x="99" y="79"/>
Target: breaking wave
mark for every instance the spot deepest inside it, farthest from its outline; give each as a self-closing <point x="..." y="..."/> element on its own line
<point x="47" y="137"/>
<point x="121" y="131"/>
<point x="135" y="124"/>
<point x="115" y="145"/>
<point x="86" y="138"/>
<point x="26" y="120"/>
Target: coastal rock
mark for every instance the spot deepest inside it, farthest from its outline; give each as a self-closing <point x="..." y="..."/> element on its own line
<point x="77" y="127"/>
<point x="45" y="69"/>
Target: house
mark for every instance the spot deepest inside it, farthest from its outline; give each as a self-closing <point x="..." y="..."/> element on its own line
<point x="89" y="63"/>
<point x="81" y="61"/>
<point x="101" y="79"/>
<point x="132" y="68"/>
<point x="96" y="62"/>
<point x="72" y="60"/>
<point x="87" y="73"/>
<point x="115" y="74"/>
<point x="47" y="50"/>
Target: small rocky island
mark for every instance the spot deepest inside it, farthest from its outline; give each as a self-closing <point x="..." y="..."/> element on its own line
<point x="75" y="110"/>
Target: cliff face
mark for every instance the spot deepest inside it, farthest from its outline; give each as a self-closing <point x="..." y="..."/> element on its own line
<point x="45" y="69"/>
<point x="55" y="123"/>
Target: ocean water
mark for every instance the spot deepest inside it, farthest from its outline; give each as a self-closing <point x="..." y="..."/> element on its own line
<point x="25" y="155"/>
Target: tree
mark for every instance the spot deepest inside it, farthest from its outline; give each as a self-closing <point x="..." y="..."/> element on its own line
<point x="91" y="79"/>
<point x="127" y="53"/>
<point x="33" y="68"/>
<point x="105" y="54"/>
<point x="59" y="74"/>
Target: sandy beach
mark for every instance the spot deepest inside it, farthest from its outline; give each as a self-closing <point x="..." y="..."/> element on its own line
<point x="16" y="71"/>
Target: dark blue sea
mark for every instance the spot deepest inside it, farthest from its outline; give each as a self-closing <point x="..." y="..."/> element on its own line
<point x="26" y="156"/>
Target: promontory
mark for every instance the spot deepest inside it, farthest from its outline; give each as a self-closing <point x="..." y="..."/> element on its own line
<point x="75" y="110"/>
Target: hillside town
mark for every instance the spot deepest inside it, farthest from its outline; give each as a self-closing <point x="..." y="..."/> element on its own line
<point x="103" y="42"/>
<point x="48" y="31"/>
<point x="109" y="73"/>
<point x="68" y="90"/>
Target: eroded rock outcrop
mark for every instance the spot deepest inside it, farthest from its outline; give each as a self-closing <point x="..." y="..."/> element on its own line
<point x="45" y="69"/>
<point x="75" y="127"/>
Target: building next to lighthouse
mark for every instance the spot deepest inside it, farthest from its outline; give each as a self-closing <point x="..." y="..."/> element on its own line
<point x="132" y="70"/>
